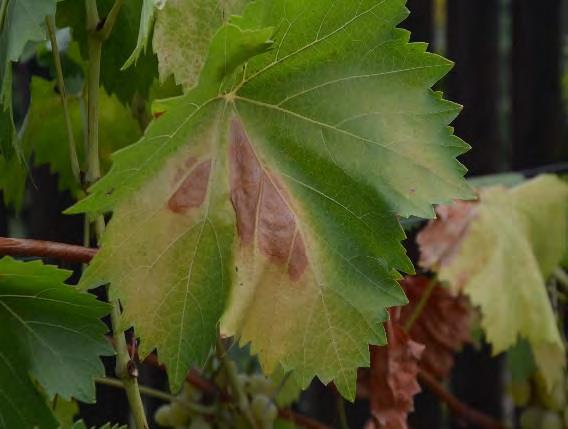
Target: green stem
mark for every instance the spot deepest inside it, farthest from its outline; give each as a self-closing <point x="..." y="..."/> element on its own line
<point x="94" y="167"/>
<point x="126" y="370"/>
<point x="236" y="388"/>
<point x="158" y="394"/>
<point x="421" y="304"/>
<point x="341" y="413"/>
<point x="93" y="162"/>
<point x="92" y="15"/>
<point x="110" y="20"/>
<point x="50" y="22"/>
<point x="562" y="277"/>
<point x="125" y="367"/>
<point x="3" y="10"/>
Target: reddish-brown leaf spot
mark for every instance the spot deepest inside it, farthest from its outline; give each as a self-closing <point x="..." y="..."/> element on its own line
<point x="392" y="380"/>
<point x="192" y="191"/>
<point x="265" y="218"/>
<point x="443" y="324"/>
<point x="439" y="241"/>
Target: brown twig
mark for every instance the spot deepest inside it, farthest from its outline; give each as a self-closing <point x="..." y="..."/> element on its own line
<point x="72" y="253"/>
<point x="300" y="420"/>
<point x="45" y="249"/>
<point x="458" y="408"/>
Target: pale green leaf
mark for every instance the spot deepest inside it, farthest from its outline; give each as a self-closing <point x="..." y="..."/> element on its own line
<point x="270" y="191"/>
<point x="51" y="334"/>
<point x="65" y="412"/>
<point x="511" y="242"/>
<point x="182" y="35"/>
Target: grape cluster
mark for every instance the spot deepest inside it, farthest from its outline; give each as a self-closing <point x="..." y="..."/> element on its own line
<point x="259" y="390"/>
<point x="545" y="409"/>
<point x="178" y="415"/>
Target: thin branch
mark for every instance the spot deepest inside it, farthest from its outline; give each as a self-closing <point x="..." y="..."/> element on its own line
<point x="50" y="22"/>
<point x="340" y="403"/>
<point x="45" y="249"/>
<point x="300" y="420"/>
<point x="84" y="254"/>
<point x="562" y="277"/>
<point x="159" y="394"/>
<point x="110" y="20"/>
<point x="458" y="408"/>
<point x="421" y="304"/>
<point x="92" y="14"/>
<point x="236" y="387"/>
<point x="126" y="370"/>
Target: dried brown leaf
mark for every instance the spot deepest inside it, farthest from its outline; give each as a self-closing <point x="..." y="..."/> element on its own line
<point x="443" y="324"/>
<point x="440" y="240"/>
<point x="392" y="380"/>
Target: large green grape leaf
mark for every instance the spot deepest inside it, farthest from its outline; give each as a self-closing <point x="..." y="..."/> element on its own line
<point x="278" y="183"/>
<point x="51" y="334"/>
<point x="504" y="249"/>
<point x="124" y="83"/>
<point x="182" y="35"/>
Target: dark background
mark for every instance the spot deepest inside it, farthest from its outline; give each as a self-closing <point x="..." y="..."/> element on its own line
<point x="509" y="73"/>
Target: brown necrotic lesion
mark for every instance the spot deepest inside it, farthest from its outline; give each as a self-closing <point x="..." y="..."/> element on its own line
<point x="265" y="217"/>
<point x="193" y="189"/>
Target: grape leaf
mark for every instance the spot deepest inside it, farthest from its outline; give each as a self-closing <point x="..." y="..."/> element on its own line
<point x="51" y="334"/>
<point x="23" y="22"/>
<point x="13" y="175"/>
<point x="507" y="246"/>
<point x="392" y="379"/>
<point x="65" y="412"/>
<point x="261" y="184"/>
<point x="124" y="83"/>
<point x="146" y="21"/>
<point x="443" y="325"/>
<point x="116" y="124"/>
<point x="182" y="34"/>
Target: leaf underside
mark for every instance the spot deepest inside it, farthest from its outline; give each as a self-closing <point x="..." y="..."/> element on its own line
<point x="266" y="197"/>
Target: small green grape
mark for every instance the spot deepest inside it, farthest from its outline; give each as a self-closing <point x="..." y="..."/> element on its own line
<point x="190" y="393"/>
<point x="199" y="423"/>
<point x="520" y="392"/>
<point x="554" y="399"/>
<point x="551" y="420"/>
<point x="244" y="381"/>
<point x="264" y="410"/>
<point x="260" y="384"/>
<point x="531" y="417"/>
<point x="162" y="415"/>
<point x="179" y="414"/>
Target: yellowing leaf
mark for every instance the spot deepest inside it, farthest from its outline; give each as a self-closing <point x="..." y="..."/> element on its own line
<point x="266" y="197"/>
<point x="183" y="32"/>
<point x="512" y="241"/>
